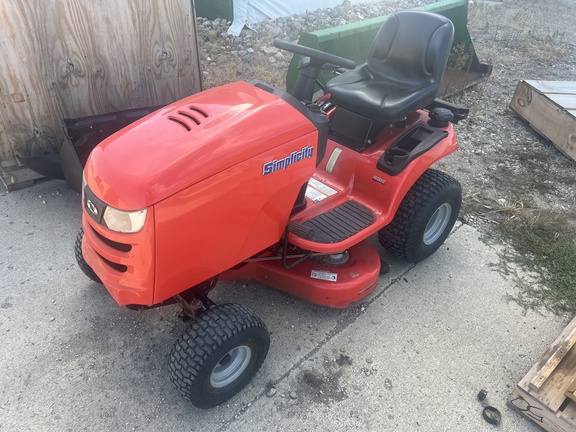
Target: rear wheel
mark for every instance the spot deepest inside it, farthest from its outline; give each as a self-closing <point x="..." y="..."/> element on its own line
<point x="86" y="269"/>
<point x="218" y="354"/>
<point x="425" y="217"/>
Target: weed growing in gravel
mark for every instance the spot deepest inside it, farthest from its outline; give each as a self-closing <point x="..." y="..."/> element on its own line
<point x="544" y="243"/>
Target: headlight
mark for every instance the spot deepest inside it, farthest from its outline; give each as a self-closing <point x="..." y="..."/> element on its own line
<point x="124" y="221"/>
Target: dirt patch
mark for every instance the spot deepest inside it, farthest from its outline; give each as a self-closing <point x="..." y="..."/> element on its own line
<point x="324" y="386"/>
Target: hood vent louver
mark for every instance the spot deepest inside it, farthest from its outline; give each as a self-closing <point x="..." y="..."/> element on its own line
<point x="199" y="111"/>
<point x="189" y="119"/>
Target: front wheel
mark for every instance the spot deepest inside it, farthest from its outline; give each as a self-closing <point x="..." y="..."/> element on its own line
<point x="218" y="354"/>
<point x="86" y="269"/>
<point x="425" y="217"/>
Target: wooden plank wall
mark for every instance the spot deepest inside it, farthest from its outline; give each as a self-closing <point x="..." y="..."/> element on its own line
<point x="75" y="58"/>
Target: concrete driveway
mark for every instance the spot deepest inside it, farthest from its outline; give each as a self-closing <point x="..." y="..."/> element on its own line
<point x="412" y="357"/>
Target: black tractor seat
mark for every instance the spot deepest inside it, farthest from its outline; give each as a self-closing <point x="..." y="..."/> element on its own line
<point x="404" y="69"/>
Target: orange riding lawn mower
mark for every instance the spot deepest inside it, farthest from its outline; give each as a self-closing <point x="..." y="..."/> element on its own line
<point x="248" y="182"/>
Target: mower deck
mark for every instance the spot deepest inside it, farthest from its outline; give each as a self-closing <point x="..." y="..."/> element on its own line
<point x="312" y="280"/>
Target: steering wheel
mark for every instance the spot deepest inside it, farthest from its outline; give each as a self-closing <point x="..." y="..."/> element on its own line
<point x="316" y="56"/>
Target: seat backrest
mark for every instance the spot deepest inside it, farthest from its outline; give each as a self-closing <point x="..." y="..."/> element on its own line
<point x="412" y="47"/>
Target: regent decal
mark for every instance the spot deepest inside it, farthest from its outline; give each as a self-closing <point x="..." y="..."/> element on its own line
<point x="297" y="156"/>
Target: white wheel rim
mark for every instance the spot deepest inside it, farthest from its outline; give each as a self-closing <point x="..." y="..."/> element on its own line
<point x="437" y="224"/>
<point x="231" y="366"/>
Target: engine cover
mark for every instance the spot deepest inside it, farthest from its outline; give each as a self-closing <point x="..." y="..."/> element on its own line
<point x="190" y="141"/>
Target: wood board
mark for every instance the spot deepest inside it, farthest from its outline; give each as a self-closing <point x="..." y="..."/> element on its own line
<point x="15" y="177"/>
<point x="550" y="108"/>
<point x="541" y="395"/>
<point x="76" y="58"/>
<point x="571" y="390"/>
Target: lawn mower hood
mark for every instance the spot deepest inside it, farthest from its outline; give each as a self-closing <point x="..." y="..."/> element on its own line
<point x="217" y="174"/>
<point x="191" y="140"/>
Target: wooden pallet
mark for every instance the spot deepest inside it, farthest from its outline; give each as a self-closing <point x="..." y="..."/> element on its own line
<point x="547" y="394"/>
<point x="550" y="108"/>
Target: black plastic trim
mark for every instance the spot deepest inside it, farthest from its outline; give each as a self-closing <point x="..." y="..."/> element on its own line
<point x="353" y="130"/>
<point x="408" y="147"/>
<point x="121" y="247"/>
<point x="460" y="111"/>
<point x="93" y="205"/>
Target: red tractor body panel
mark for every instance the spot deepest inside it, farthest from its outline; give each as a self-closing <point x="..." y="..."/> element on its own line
<point x="213" y="225"/>
<point x="218" y="189"/>
<point x="124" y="262"/>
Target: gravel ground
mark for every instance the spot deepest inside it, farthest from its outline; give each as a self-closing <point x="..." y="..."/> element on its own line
<point x="502" y="162"/>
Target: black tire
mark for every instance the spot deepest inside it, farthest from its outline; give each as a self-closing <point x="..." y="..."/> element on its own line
<point x="425" y="217"/>
<point x="218" y="354"/>
<point x="86" y="269"/>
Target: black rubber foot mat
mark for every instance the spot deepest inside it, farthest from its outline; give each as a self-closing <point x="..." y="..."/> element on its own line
<point x="340" y="223"/>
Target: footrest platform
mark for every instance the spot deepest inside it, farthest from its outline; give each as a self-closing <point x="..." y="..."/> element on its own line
<point x="337" y="224"/>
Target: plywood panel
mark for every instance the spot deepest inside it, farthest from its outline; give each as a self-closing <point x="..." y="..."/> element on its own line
<point x="75" y="58"/>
